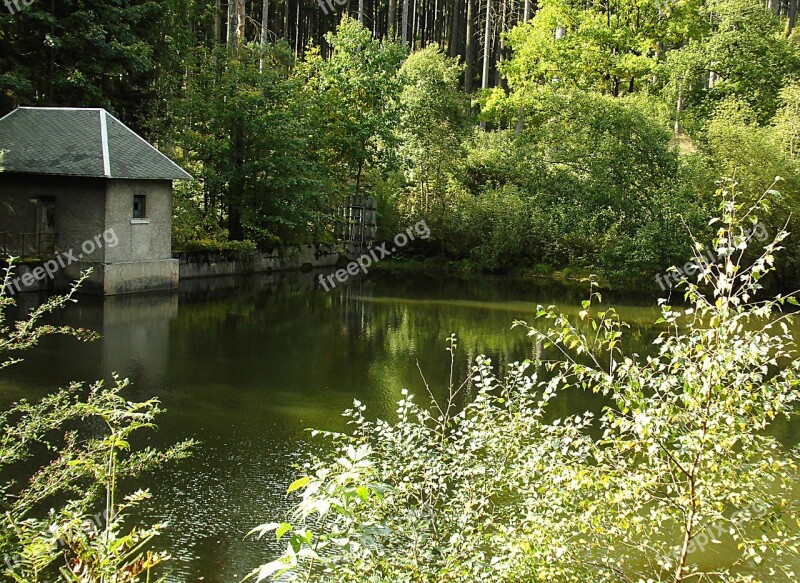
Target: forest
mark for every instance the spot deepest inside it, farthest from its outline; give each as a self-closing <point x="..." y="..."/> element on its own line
<point x="534" y="137"/>
<point x="550" y="138"/>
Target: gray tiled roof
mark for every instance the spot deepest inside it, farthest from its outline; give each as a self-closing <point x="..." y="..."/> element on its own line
<point x="79" y="142"/>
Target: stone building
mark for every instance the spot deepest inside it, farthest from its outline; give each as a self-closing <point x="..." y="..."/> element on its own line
<point x="79" y="189"/>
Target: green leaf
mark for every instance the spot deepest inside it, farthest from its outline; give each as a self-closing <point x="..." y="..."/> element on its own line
<point x="282" y="530"/>
<point x="299" y="483"/>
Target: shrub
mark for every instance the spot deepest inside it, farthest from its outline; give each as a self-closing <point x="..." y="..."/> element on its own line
<point x="679" y="459"/>
<point x="85" y="439"/>
<point x="240" y="247"/>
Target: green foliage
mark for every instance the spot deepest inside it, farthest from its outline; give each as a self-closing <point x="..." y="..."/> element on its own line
<point x="248" y="129"/>
<point x="191" y="223"/>
<point x="98" y="54"/>
<point x="488" y="485"/>
<point x="733" y="139"/>
<point x="353" y="100"/>
<point x="276" y="142"/>
<point x="745" y="54"/>
<point x="241" y="248"/>
<point x="69" y="452"/>
<point x="787" y="120"/>
<point x="592" y="181"/>
<point x="434" y="124"/>
<point x="599" y="47"/>
<point x="278" y="133"/>
<point x="194" y="229"/>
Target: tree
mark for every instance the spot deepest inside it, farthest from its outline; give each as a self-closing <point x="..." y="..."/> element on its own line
<point x="355" y="99"/>
<point x="733" y="140"/>
<point x="608" y="48"/>
<point x="248" y="129"/>
<point x="469" y="53"/>
<point x="744" y="55"/>
<point x="603" y="171"/>
<point x="787" y="120"/>
<point x="91" y="54"/>
<point x="434" y="124"/>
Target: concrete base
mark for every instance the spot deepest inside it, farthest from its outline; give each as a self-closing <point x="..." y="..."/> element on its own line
<point x="128" y="277"/>
<point x="140" y="276"/>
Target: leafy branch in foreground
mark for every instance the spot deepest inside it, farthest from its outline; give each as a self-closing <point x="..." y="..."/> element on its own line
<point x="69" y="451"/>
<point x="25" y="333"/>
<point x="679" y="463"/>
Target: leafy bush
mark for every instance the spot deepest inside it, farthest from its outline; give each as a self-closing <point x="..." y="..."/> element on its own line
<point x="241" y="247"/>
<point x="190" y="222"/>
<point x="85" y="440"/>
<point x="492" y="487"/>
<point x="592" y="182"/>
<point x="733" y="141"/>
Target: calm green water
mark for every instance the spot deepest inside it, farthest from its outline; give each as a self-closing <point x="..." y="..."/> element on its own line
<point x="246" y="365"/>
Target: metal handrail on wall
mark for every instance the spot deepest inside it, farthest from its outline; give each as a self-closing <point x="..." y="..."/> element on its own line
<point x="27" y="244"/>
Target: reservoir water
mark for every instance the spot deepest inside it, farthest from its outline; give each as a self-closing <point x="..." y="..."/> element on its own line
<point x="246" y="365"/>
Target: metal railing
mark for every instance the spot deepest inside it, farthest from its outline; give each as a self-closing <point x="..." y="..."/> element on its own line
<point x="28" y="244"/>
<point x="359" y="215"/>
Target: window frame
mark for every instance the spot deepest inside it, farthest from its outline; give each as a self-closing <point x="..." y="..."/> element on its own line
<point x="139" y="198"/>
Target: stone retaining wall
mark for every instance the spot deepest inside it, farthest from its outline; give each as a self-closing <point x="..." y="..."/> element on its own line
<point x="213" y="263"/>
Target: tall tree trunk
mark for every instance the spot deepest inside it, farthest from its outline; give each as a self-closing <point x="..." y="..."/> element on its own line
<point x="392" y="17"/>
<point x="469" y="49"/>
<point x="526" y="16"/>
<point x="486" y="45"/>
<point x="486" y="48"/>
<point x="500" y="54"/>
<point x="286" y="19"/>
<point x="264" y="23"/>
<point x="264" y="32"/>
<point x="456" y="27"/>
<point x="230" y="28"/>
<point x="404" y="35"/>
<point x="434" y="26"/>
<point x="235" y="23"/>
<point x="297" y="31"/>
<point x="240" y="21"/>
<point x="218" y="22"/>
<point x="361" y="11"/>
<point x="414" y="25"/>
<point x="435" y="22"/>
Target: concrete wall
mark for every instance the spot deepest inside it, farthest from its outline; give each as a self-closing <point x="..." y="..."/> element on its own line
<point x="139" y="239"/>
<point x="137" y="276"/>
<point x="216" y="263"/>
<point x="80" y="217"/>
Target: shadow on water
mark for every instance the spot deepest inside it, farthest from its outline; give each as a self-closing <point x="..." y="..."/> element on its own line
<point x="246" y="364"/>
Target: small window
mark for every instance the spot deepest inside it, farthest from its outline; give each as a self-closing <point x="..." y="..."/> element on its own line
<point x="139" y="206"/>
